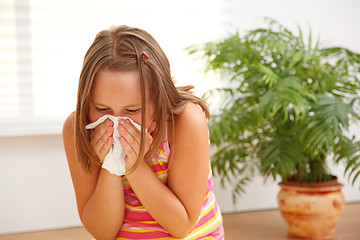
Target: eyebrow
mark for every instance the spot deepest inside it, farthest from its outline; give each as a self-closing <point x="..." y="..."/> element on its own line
<point x="133" y="105"/>
<point x="104" y="105"/>
<point x="98" y="104"/>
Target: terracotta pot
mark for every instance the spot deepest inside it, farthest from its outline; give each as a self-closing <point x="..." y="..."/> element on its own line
<point x="311" y="210"/>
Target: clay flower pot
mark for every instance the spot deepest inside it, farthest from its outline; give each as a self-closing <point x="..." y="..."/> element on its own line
<point x="311" y="210"/>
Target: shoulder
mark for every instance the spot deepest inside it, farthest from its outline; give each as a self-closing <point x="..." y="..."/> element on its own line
<point x="69" y="126"/>
<point x="190" y="125"/>
<point x="191" y="117"/>
<point x="191" y="121"/>
<point x="68" y="133"/>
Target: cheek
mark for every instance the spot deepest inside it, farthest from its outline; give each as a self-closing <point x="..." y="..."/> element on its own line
<point x="148" y="119"/>
<point x="94" y="115"/>
<point x="136" y="118"/>
<point x="148" y="123"/>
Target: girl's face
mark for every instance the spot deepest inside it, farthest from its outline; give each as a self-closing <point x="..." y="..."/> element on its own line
<point x="118" y="93"/>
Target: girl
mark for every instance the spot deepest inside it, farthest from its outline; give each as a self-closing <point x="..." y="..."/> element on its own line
<point x="166" y="192"/>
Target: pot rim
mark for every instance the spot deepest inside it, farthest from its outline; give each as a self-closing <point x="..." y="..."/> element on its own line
<point x="331" y="185"/>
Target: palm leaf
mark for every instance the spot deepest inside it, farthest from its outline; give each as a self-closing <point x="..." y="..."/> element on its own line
<point x="283" y="107"/>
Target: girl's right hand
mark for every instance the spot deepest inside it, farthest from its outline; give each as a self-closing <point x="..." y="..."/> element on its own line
<point x="101" y="139"/>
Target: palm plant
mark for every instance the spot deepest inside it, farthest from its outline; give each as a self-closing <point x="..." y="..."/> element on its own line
<point x="284" y="107"/>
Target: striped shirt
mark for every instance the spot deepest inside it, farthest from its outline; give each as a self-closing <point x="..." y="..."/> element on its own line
<point x="138" y="223"/>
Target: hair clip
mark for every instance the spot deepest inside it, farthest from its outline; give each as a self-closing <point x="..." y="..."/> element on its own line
<point x="145" y="56"/>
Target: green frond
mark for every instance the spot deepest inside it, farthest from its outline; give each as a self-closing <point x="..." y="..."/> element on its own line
<point x="330" y="118"/>
<point x="239" y="189"/>
<point x="286" y="97"/>
<point x="281" y="156"/>
<point x="285" y="105"/>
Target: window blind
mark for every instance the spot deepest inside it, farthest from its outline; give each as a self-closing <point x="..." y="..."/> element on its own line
<point x="42" y="44"/>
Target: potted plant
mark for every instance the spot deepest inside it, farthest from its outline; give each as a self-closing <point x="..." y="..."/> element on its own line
<point x="284" y="110"/>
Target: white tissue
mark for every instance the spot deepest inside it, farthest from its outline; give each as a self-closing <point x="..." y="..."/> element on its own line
<point x="114" y="160"/>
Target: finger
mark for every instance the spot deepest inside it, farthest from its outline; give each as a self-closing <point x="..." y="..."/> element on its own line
<point x="131" y="155"/>
<point x="100" y="130"/>
<point x="102" y="146"/>
<point x="132" y="137"/>
<point x="105" y="149"/>
<point x="131" y="130"/>
<point x="131" y="140"/>
<point x="101" y="135"/>
<point x="134" y="145"/>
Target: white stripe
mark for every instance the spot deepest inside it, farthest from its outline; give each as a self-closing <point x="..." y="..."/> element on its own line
<point x="204" y="230"/>
<point x="136" y="209"/>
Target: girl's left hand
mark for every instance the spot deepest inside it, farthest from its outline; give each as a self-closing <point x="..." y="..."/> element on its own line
<point x="130" y="141"/>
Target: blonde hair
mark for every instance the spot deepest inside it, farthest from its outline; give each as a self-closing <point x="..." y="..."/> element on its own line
<point x="121" y="49"/>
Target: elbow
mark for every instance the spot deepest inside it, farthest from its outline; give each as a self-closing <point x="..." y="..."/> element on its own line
<point x="180" y="235"/>
<point x="101" y="232"/>
<point x="101" y="235"/>
<point x="107" y="238"/>
<point x="181" y="232"/>
<point x="182" y="228"/>
<point x="104" y="238"/>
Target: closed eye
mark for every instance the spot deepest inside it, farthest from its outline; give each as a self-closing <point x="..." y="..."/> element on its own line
<point x="133" y="110"/>
<point x="102" y="109"/>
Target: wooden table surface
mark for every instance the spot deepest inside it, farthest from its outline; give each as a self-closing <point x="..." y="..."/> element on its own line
<point x="269" y="225"/>
<point x="257" y="225"/>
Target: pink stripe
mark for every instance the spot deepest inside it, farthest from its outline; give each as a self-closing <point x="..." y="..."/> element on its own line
<point x="137" y="216"/>
<point x="158" y="168"/>
<point x="152" y="226"/>
<point x="143" y="235"/>
<point x="217" y="231"/>
<point x="165" y="144"/>
<point x="162" y="165"/>
<point x="207" y="217"/>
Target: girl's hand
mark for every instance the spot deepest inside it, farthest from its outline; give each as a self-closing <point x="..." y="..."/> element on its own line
<point x="101" y="139"/>
<point x="130" y="140"/>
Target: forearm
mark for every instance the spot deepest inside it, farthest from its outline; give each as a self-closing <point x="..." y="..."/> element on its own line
<point x="162" y="204"/>
<point x="103" y="213"/>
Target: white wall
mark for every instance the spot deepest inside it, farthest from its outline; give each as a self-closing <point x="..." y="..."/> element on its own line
<point x="35" y="186"/>
<point x="336" y="21"/>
